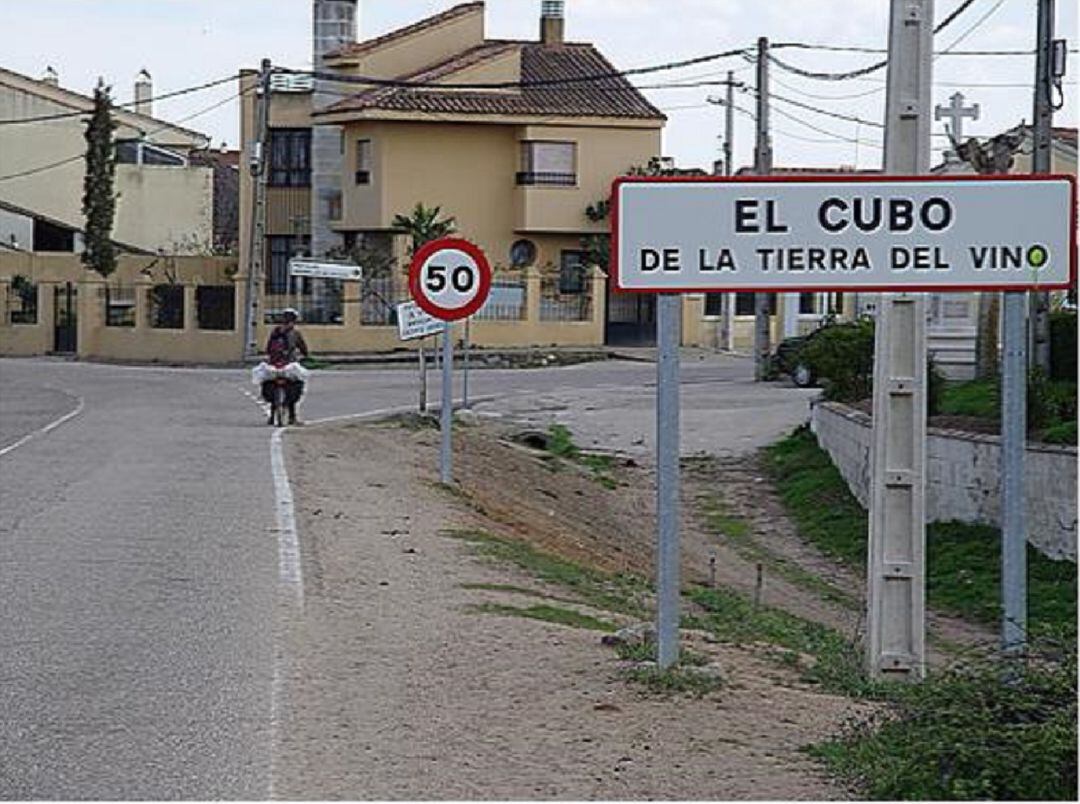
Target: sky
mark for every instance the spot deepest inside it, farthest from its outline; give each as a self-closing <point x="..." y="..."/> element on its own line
<point x="188" y="42"/>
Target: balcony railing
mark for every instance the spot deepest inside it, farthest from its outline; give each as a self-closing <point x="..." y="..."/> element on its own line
<point x="525" y="178"/>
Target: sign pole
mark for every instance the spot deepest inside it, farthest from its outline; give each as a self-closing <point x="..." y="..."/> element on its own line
<point x="668" y="311"/>
<point x="423" y="377"/>
<point x="465" y="367"/>
<point x="1013" y="509"/>
<point x="446" y="452"/>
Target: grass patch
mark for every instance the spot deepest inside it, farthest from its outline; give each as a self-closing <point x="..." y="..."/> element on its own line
<point x="677" y="680"/>
<point x="971" y="732"/>
<point x="978" y="398"/>
<point x="560" y="444"/>
<point x="835" y="662"/>
<point x="617" y="592"/>
<point x="716" y="517"/>
<point x="549" y="614"/>
<point x="963" y="563"/>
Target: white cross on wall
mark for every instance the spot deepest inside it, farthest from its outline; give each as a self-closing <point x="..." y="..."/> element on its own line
<point x="955" y="113"/>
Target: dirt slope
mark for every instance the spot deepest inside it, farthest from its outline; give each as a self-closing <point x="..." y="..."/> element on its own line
<point x="393" y="687"/>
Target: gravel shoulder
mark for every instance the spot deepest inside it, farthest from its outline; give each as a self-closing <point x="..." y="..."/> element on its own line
<point x="395" y="687"/>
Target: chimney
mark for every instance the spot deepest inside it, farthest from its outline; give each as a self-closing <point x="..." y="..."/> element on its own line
<point x="51" y="77"/>
<point x="551" y="22"/>
<point x="144" y="93"/>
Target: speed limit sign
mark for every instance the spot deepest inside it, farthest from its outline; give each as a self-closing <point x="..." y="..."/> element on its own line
<point x="450" y="278"/>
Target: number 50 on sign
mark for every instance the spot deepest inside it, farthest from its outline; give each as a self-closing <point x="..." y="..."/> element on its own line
<point x="450" y="278"/>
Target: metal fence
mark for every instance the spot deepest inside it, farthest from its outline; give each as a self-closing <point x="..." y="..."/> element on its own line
<point x="119" y="303"/>
<point x="318" y="301"/>
<point x="22" y="302"/>
<point x="165" y="307"/>
<point x="379" y="297"/>
<point x="556" y="304"/>
<point x="215" y="307"/>
<point x="508" y="300"/>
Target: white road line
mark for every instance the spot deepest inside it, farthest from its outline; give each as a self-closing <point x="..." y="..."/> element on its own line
<point x="48" y="427"/>
<point x="289" y="572"/>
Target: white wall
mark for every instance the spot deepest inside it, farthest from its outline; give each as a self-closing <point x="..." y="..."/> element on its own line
<point x="962" y="476"/>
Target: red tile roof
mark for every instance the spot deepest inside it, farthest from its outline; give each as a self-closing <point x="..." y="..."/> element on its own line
<point x="607" y="97"/>
<point x="360" y="48"/>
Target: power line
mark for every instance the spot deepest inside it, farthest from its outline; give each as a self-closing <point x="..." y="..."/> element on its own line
<point x="396" y="83"/>
<point x="62" y="162"/>
<point x="41" y="168"/>
<point x="65" y="115"/>
<point x="846" y="76"/>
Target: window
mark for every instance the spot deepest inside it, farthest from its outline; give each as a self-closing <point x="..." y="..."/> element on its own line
<point x="808" y="303"/>
<point x="290" y="157"/>
<point x="283" y="248"/>
<point x="572" y="272"/>
<point x="363" y="161"/>
<point x="550" y="163"/>
<point x="714" y="304"/>
<point x="522" y="253"/>
<point x="744" y="303"/>
<point x="137" y="152"/>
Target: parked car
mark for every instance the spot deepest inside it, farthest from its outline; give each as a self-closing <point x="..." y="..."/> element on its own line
<point x="786" y="359"/>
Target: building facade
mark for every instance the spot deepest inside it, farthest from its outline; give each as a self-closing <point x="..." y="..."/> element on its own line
<point x="515" y="161"/>
<point x="165" y="200"/>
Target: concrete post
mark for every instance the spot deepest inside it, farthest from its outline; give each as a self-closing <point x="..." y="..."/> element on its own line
<point x="191" y="318"/>
<point x="142" y="303"/>
<point x="895" y="641"/>
<point x="532" y="294"/>
<point x="90" y="315"/>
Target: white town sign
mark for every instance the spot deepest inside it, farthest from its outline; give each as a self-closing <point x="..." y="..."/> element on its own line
<point x="872" y="233"/>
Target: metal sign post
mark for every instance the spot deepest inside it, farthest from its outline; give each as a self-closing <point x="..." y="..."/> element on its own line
<point x="668" y="313"/>
<point x="908" y="234"/>
<point x="449" y="279"/>
<point x="446" y="420"/>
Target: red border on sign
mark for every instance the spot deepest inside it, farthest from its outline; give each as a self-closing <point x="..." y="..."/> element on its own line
<point x="457" y="244"/>
<point x="842" y="179"/>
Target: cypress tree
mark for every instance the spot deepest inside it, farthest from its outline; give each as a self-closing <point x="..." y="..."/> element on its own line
<point x="99" y="200"/>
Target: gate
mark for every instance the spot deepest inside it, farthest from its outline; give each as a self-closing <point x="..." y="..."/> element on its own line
<point x="631" y="319"/>
<point x="65" y="330"/>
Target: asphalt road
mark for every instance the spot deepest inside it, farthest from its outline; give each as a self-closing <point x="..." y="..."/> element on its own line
<point x="139" y="557"/>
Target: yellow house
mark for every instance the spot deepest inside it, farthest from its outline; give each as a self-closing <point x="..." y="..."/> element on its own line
<point x="165" y="202"/>
<point x="516" y="162"/>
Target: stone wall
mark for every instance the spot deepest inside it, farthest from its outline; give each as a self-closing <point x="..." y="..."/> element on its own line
<point x="962" y="475"/>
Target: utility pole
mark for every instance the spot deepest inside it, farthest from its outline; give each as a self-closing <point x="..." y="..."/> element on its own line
<point x="1014" y="368"/>
<point x="763" y="157"/>
<point x="1041" y="133"/>
<point x="727" y="318"/>
<point x="257" y="162"/>
<point x="895" y="639"/>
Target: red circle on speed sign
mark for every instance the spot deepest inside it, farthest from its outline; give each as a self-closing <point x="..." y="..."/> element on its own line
<point x="450" y="278"/>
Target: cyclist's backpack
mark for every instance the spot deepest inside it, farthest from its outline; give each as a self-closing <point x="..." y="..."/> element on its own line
<point x="278" y="347"/>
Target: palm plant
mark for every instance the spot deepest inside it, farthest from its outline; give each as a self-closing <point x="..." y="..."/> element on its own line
<point x="423" y="225"/>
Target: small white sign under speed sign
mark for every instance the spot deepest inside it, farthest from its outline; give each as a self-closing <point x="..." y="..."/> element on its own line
<point x="415" y="323"/>
<point x="450" y="278"/>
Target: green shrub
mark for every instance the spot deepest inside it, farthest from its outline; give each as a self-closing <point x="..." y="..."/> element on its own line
<point x="841" y="356"/>
<point x="935" y="387"/>
<point x="1049" y="403"/>
<point x="985" y="729"/>
<point x="1063" y="433"/>
<point x="1063" y="346"/>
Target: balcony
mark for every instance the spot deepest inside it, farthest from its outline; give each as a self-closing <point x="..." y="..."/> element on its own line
<point x="531" y="179"/>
